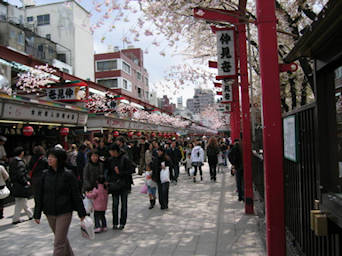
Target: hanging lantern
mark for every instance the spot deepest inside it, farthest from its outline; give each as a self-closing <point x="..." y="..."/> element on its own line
<point x="165" y="135"/>
<point x="28" y="131"/>
<point x="64" y="131"/>
<point x="116" y="134"/>
<point x="160" y="134"/>
<point x="138" y="134"/>
<point x="153" y="134"/>
<point x="130" y="134"/>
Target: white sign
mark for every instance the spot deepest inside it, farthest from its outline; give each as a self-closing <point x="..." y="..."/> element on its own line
<point x="225" y="53"/>
<point x="39" y="114"/>
<point x="63" y="93"/>
<point x="227" y="91"/>
<point x="290" y="138"/>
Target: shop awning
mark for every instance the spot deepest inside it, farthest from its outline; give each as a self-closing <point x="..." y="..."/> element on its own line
<point x="17" y="109"/>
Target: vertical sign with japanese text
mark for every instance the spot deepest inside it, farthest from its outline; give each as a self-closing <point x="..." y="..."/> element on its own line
<point x="227" y="91"/>
<point x="226" y="53"/>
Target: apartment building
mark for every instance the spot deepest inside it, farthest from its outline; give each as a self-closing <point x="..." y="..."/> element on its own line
<point x="201" y="100"/>
<point x="123" y="69"/>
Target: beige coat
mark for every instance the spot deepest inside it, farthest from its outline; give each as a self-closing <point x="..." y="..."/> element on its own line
<point x="3" y="175"/>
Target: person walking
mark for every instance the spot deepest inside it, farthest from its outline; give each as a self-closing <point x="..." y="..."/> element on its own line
<point x="36" y="166"/>
<point x="151" y="186"/>
<point x="120" y="169"/>
<point x="21" y="185"/>
<point x="176" y="157"/>
<point x="58" y="196"/>
<point x="197" y="159"/>
<point x="92" y="170"/>
<point x="3" y="177"/>
<point x="235" y="158"/>
<point x="160" y="163"/>
<point x="212" y="152"/>
<point x="99" y="195"/>
<point x="148" y="154"/>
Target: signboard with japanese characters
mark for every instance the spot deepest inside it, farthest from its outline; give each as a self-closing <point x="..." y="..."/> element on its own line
<point x="226" y="53"/>
<point x="35" y="113"/>
<point x="227" y="92"/>
<point x="64" y="93"/>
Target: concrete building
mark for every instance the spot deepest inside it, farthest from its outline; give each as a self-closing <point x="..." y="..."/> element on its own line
<point x="153" y="99"/>
<point x="167" y="105"/>
<point x="201" y="100"/>
<point x="123" y="69"/>
<point x="68" y="24"/>
<point x="16" y="35"/>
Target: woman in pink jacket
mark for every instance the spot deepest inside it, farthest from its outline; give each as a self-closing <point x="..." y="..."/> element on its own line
<point x="99" y="195"/>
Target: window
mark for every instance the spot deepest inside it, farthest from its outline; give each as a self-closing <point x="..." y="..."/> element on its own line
<point x="146" y="81"/>
<point x="146" y="95"/>
<point x="61" y="57"/>
<point x="65" y="70"/>
<point x="43" y="19"/>
<point x="138" y="75"/>
<point x="126" y="67"/>
<point x="125" y="84"/>
<point x="139" y="92"/>
<point x="29" y="19"/>
<point x="50" y="48"/>
<point x="106" y="65"/>
<point x="109" y="83"/>
<point x="13" y="35"/>
<point x="21" y="38"/>
<point x="48" y="36"/>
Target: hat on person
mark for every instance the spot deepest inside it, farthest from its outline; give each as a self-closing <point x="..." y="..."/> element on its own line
<point x="3" y="138"/>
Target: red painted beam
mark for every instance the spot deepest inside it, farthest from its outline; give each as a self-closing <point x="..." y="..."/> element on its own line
<point x="218" y="93"/>
<point x="212" y="64"/>
<point x="272" y="131"/>
<point x="246" y="122"/>
<point x="218" y="15"/>
<point x="217" y="85"/>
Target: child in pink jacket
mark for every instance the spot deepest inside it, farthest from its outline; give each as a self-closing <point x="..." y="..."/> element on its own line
<point x="99" y="195"/>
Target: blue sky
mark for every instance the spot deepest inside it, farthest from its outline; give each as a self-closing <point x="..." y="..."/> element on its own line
<point x="156" y="65"/>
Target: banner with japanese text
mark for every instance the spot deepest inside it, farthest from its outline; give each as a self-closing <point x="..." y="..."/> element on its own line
<point x="226" y="52"/>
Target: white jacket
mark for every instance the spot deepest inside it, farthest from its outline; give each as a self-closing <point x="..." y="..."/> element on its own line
<point x="197" y="154"/>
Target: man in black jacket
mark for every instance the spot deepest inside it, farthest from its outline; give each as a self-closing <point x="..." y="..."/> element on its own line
<point x="176" y="157"/>
<point x="235" y="158"/>
<point x="21" y="185"/>
<point x="120" y="169"/>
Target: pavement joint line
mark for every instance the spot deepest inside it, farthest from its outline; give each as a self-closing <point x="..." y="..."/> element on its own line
<point x="220" y="209"/>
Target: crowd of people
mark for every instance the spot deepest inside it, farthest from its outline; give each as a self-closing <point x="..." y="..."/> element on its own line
<point x="60" y="180"/>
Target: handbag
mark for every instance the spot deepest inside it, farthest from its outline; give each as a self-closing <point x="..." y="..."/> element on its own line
<point x="87" y="228"/>
<point x="144" y="189"/>
<point x="165" y="175"/>
<point x="4" y="192"/>
<point x="116" y="186"/>
<point x="88" y="205"/>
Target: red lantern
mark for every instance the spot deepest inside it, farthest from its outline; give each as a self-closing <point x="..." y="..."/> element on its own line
<point x="28" y="130"/>
<point x="116" y="134"/>
<point x="153" y="134"/>
<point x="165" y="135"/>
<point x="64" y="131"/>
<point x="160" y="134"/>
<point x="138" y="134"/>
<point x="130" y="134"/>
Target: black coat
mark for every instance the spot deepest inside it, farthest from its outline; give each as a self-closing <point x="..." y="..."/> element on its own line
<point x="58" y="194"/>
<point x="90" y="174"/>
<point x="19" y="178"/>
<point x="235" y="156"/>
<point x="125" y="172"/>
<point x="175" y="155"/>
<point x="212" y="153"/>
<point x="156" y="167"/>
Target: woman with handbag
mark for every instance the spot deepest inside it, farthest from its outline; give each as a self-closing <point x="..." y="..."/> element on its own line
<point x="21" y="185"/>
<point x="4" y="191"/>
<point x="58" y="196"/>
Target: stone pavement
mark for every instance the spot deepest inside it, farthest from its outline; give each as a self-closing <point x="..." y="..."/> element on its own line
<point x="203" y="219"/>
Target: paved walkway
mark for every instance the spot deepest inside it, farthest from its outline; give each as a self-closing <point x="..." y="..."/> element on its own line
<point x="203" y="219"/>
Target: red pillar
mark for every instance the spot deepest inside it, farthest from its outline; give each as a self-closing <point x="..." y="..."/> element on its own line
<point x="272" y="132"/>
<point x="236" y="112"/>
<point x="246" y="124"/>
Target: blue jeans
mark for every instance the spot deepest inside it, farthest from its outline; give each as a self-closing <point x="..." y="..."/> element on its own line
<point x="123" y="195"/>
